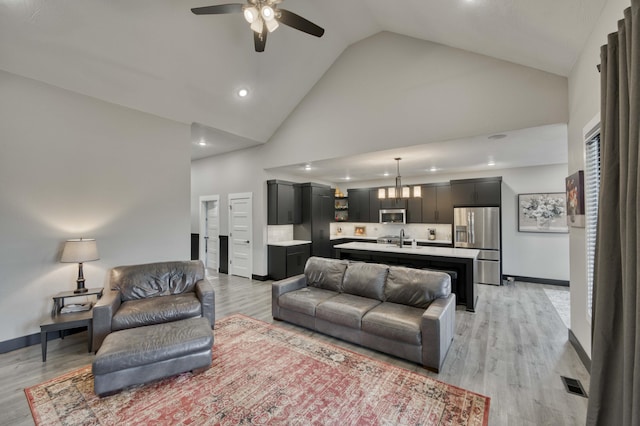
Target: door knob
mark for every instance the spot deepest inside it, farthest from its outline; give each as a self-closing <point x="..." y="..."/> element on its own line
<point x="248" y="241"/>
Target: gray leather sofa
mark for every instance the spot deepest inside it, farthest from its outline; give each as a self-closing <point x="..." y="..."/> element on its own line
<point x="152" y="293"/>
<point x="408" y="313"/>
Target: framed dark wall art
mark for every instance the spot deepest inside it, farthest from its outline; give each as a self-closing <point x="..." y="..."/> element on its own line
<point x="542" y="212"/>
<point x="575" y="199"/>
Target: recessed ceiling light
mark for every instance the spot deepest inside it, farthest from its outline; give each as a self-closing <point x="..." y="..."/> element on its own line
<point x="433" y="169"/>
<point x="386" y="174"/>
<point x="491" y="163"/>
<point x="347" y="178"/>
<point x="202" y="142"/>
<point x="243" y="93"/>
<point x="307" y="167"/>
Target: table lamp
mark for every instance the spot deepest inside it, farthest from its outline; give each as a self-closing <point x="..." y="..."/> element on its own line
<point x="79" y="251"/>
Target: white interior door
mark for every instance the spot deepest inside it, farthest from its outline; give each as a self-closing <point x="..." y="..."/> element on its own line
<point x="210" y="231"/>
<point x="240" y="235"/>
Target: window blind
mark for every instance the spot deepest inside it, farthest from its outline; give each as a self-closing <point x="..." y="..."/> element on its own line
<point x="592" y="193"/>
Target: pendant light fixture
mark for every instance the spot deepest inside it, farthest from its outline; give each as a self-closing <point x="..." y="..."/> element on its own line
<point x="398" y="191"/>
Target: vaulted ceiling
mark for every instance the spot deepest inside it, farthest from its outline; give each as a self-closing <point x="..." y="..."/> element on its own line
<point x="158" y="57"/>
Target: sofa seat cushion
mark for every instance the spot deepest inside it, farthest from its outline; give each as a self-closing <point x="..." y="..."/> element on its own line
<point x="394" y="322"/>
<point x="345" y="309"/>
<point x="305" y="300"/>
<point x="156" y="310"/>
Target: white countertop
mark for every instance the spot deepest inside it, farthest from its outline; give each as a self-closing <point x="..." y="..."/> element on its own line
<point x="289" y="243"/>
<point x="358" y="237"/>
<point x="420" y="250"/>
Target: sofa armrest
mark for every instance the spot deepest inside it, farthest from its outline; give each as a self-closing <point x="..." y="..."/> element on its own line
<point x="278" y="288"/>
<point x="438" y="327"/>
<point x="103" y="312"/>
<point x="207" y="296"/>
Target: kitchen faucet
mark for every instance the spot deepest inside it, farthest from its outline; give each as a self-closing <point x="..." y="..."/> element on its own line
<point x="401" y="242"/>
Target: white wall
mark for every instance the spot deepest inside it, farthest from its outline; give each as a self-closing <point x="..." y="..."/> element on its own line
<point x="527" y="254"/>
<point x="390" y="90"/>
<point x="584" y="104"/>
<point x="383" y="92"/>
<point x="72" y="166"/>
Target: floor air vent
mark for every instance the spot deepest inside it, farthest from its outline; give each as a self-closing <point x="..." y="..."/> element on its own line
<point x="573" y="386"/>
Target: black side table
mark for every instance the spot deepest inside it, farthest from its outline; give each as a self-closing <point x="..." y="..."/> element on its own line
<point x="68" y="321"/>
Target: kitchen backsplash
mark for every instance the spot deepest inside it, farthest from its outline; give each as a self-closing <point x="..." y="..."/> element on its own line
<point x="418" y="231"/>
<point x="279" y="233"/>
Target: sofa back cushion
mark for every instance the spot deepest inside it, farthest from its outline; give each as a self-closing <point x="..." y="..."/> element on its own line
<point x="416" y="287"/>
<point x="156" y="279"/>
<point x="325" y="273"/>
<point x="366" y="280"/>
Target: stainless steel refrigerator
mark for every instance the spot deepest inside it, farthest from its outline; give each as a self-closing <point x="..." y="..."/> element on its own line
<point x="479" y="228"/>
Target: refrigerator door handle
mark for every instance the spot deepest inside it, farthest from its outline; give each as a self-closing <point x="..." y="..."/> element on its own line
<point x="472" y="227"/>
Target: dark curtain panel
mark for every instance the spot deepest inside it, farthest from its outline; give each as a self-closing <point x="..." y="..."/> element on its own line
<point x="615" y="365"/>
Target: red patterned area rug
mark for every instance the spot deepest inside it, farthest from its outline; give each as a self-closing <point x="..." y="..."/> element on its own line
<point x="263" y="374"/>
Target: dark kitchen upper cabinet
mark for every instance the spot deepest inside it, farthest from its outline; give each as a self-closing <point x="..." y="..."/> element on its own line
<point x="444" y="213"/>
<point x="374" y="206"/>
<point x="414" y="210"/>
<point x="436" y="203"/>
<point x="318" y="208"/>
<point x="392" y="203"/>
<point x="283" y="203"/>
<point x="485" y="192"/>
<point x="359" y="205"/>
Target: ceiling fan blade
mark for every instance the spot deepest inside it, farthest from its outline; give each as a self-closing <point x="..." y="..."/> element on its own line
<point x="218" y="9"/>
<point x="260" y="40"/>
<point x="299" y="23"/>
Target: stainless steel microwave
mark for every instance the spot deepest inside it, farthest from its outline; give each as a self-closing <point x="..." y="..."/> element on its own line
<point x="393" y="216"/>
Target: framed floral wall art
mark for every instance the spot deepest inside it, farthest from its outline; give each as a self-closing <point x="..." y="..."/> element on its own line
<point x="542" y="212"/>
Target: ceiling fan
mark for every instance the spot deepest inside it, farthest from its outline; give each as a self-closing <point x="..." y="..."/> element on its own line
<point x="264" y="16"/>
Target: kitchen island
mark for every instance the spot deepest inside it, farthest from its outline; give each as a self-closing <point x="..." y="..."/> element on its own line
<point x="462" y="261"/>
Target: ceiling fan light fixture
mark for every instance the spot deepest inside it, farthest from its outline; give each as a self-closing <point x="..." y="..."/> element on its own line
<point x="267" y="13"/>
<point x="272" y="25"/>
<point x="257" y="26"/>
<point x="251" y="14"/>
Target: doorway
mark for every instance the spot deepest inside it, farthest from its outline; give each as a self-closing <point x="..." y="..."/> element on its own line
<point x="210" y="232"/>
<point x="240" y="234"/>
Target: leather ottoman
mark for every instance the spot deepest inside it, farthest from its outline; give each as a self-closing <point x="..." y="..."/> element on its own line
<point x="139" y="355"/>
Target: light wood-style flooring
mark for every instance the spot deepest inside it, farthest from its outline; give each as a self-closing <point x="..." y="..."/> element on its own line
<point x="513" y="349"/>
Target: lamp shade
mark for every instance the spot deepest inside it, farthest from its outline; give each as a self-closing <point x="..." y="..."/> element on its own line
<point x="80" y="250"/>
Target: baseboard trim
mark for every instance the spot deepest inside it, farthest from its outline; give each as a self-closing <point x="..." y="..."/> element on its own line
<point x="260" y="277"/>
<point x="20" y="342"/>
<point x="34" y="339"/>
<point x="582" y="354"/>
<point x="561" y="283"/>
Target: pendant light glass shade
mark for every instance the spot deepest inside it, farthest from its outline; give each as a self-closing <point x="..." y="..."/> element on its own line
<point x="391" y="191"/>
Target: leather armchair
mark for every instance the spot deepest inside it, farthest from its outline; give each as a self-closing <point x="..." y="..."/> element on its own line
<point x="152" y="293"/>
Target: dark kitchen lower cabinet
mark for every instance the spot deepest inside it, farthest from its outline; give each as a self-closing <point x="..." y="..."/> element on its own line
<point x="287" y="261"/>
